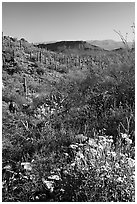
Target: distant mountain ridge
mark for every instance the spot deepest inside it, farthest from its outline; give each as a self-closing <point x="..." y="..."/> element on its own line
<point x="109" y="44"/>
<point x="71" y="47"/>
<point x="82" y="46"/>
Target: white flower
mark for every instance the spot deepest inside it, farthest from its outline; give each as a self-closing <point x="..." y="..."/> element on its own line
<point x="54" y="177"/>
<point x="66" y="154"/>
<point x="7" y="167"/>
<point x="73" y="164"/>
<point x="131" y="162"/>
<point x="117" y="165"/>
<point x="62" y="190"/>
<point x="92" y="143"/>
<point x="33" y="160"/>
<point x="80" y="155"/>
<point x="25" y="177"/>
<point x="122" y="155"/>
<point x="81" y="145"/>
<point x="73" y="146"/>
<point x="119" y="179"/>
<point x="111" y="137"/>
<point x="100" y="147"/>
<point x="27" y="165"/>
<point x="108" y="153"/>
<point x="122" y="161"/>
<point x="113" y="154"/>
<point x="110" y="140"/>
<point x="132" y="177"/>
<point x="124" y="135"/>
<point x="129" y="141"/>
<point x="102" y="138"/>
<point x="94" y="151"/>
<point x="49" y="184"/>
<point x="65" y="172"/>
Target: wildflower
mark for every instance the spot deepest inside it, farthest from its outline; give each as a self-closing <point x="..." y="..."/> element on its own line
<point x="129" y="141"/>
<point x="102" y="138"/>
<point x="49" y="184"/>
<point x="132" y="177"/>
<point x="7" y="167"/>
<point x="65" y="172"/>
<point x="113" y="154"/>
<point x="110" y="137"/>
<point x="80" y="145"/>
<point x="110" y="140"/>
<point x="73" y="164"/>
<point x="66" y="154"/>
<point x="33" y="160"/>
<point x="120" y="179"/>
<point x="100" y="147"/>
<point x="31" y="177"/>
<point x="107" y="165"/>
<point x="25" y="177"/>
<point x="80" y="155"/>
<point x="117" y="165"/>
<point x="73" y="146"/>
<point x="122" y="161"/>
<point x="122" y="155"/>
<point x="62" y="190"/>
<point x="124" y="135"/>
<point x="92" y="143"/>
<point x="94" y="151"/>
<point x="131" y="162"/>
<point x="26" y="165"/>
<point x="108" y="176"/>
<point x="103" y="168"/>
<point x="108" y="153"/>
<point x="3" y="183"/>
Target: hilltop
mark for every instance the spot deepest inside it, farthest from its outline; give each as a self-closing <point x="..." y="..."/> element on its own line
<point x="71" y="47"/>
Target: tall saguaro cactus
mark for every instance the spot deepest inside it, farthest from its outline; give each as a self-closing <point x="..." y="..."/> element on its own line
<point x="37" y="56"/>
<point x="20" y="44"/>
<point x="25" y="85"/>
<point x="40" y="56"/>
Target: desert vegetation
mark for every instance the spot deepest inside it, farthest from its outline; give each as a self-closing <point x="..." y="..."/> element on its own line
<point x="68" y="122"/>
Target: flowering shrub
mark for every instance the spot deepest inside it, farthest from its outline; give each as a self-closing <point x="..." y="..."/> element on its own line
<point x="108" y="175"/>
<point x="96" y="172"/>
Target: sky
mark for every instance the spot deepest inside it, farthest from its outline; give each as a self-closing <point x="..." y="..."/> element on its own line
<point x="56" y="21"/>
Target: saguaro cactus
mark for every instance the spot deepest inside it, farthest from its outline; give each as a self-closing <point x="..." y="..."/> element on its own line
<point x="40" y="56"/>
<point x="20" y="44"/>
<point x="37" y="56"/>
<point x="25" y="85"/>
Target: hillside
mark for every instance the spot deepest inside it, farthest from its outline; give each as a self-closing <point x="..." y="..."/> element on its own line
<point x="68" y="122"/>
<point x="71" y="47"/>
